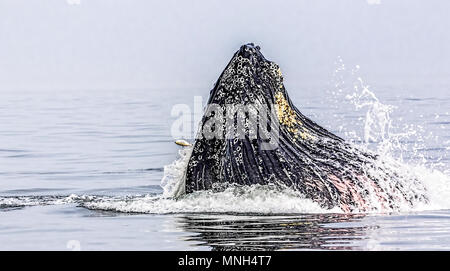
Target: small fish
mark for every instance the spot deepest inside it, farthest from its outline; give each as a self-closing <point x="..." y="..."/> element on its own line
<point x="182" y="142"/>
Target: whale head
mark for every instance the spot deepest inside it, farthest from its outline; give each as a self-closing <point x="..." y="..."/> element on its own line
<point x="252" y="133"/>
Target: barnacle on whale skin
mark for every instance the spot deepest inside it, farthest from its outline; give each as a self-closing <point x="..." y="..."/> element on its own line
<point x="287" y="117"/>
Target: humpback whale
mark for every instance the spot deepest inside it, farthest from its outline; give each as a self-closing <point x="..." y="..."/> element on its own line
<point x="251" y="133"/>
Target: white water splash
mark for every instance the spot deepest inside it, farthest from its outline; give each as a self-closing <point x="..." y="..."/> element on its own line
<point x="378" y="130"/>
<point x="388" y="138"/>
<point x="173" y="182"/>
<point x="234" y="199"/>
<point x="25" y="201"/>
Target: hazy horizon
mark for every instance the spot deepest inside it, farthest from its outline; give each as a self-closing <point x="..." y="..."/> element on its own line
<point x="113" y="44"/>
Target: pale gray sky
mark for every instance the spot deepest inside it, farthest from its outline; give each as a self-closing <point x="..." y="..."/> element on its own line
<point x="101" y="44"/>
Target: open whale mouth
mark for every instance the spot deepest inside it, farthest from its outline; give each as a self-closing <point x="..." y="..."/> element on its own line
<point x="251" y="133"/>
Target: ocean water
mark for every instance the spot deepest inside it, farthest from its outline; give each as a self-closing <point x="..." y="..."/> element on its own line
<point x="83" y="170"/>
